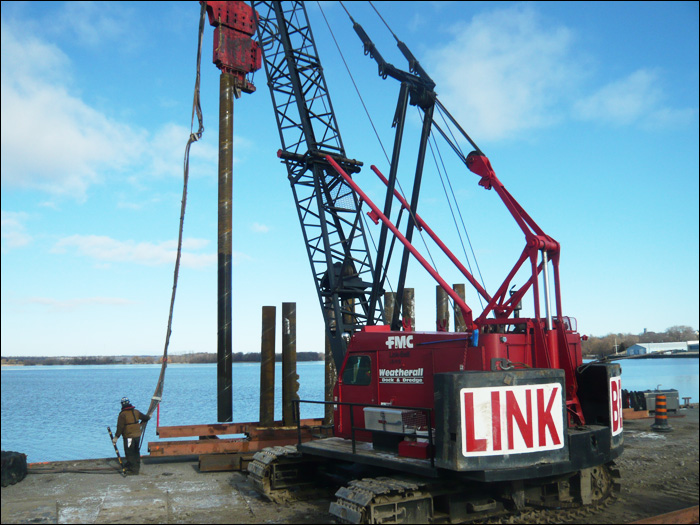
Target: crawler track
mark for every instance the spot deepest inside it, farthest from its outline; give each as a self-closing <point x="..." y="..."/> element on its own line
<point x="386" y="499"/>
<point x="398" y="499"/>
<point x="274" y="473"/>
<point x="282" y="474"/>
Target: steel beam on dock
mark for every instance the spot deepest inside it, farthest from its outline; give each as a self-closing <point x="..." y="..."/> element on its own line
<point x="216" y="446"/>
<point x="689" y="515"/>
<point x="331" y="377"/>
<point x="389" y="306"/>
<point x="225" y="462"/>
<point x="250" y="429"/>
<point x="260" y="437"/>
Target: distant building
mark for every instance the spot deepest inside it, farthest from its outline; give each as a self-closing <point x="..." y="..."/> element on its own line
<point x="666" y="348"/>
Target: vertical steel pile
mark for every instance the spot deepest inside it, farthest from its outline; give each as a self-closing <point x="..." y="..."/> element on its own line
<point x="443" y="310"/>
<point x="389" y="305"/>
<point x="460" y="325"/>
<point x="224" y="372"/>
<point x="267" y="367"/>
<point x="408" y="309"/>
<point x="290" y="383"/>
<point x="331" y="378"/>
<point x="236" y="55"/>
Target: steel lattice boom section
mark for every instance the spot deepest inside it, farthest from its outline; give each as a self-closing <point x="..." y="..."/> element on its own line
<point x="329" y="211"/>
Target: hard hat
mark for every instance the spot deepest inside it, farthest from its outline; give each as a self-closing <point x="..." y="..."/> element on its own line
<point x="125" y="401"/>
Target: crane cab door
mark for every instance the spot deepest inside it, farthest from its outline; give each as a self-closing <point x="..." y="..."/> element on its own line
<point x="358" y="385"/>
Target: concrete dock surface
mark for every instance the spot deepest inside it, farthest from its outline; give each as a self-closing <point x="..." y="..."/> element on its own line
<point x="659" y="474"/>
<point x="94" y="491"/>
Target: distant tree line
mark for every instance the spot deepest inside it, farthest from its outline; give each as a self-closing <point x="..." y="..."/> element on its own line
<point x="191" y="358"/>
<point x="594" y="346"/>
<point x="605" y="345"/>
<point x="236" y="357"/>
<point x="32" y="361"/>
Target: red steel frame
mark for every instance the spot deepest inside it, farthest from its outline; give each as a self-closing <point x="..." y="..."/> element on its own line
<point x="552" y="346"/>
<point x="536" y="241"/>
<point x="466" y="311"/>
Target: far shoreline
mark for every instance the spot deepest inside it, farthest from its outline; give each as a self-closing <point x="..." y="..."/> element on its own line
<point x="191" y="358"/>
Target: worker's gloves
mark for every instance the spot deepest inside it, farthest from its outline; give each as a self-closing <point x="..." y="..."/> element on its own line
<point x="114" y="441"/>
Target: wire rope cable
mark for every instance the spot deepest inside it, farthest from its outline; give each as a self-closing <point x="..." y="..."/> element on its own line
<point x="352" y="79"/>
<point x="449" y="203"/>
<point x="194" y="137"/>
<point x="364" y="106"/>
<point x="382" y="19"/>
<point x="459" y="212"/>
<point x="456" y="145"/>
<point x="398" y="182"/>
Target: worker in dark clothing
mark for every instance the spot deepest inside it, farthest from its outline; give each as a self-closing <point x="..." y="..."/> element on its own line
<point x="128" y="425"/>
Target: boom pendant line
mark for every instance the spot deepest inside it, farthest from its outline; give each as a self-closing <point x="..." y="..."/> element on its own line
<point x="194" y="136"/>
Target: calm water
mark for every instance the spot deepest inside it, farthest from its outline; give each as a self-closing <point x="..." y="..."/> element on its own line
<point x="56" y="413"/>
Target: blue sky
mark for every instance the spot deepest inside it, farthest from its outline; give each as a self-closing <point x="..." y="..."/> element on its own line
<point x="587" y="111"/>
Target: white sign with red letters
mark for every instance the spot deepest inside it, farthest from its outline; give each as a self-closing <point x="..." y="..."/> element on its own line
<point x="615" y="405"/>
<point x="511" y="419"/>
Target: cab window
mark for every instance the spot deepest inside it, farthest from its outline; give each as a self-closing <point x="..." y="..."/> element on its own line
<point x="358" y="371"/>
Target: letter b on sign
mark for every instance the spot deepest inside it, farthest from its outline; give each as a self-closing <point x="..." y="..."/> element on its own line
<point x="615" y="405"/>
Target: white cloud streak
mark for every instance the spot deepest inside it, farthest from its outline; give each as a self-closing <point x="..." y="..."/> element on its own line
<point x="505" y="71"/>
<point x="51" y="140"/>
<point x="70" y="305"/>
<point x="106" y="249"/>
<point x="94" y="23"/>
<point x="636" y="98"/>
<point x="14" y="234"/>
<point x="508" y="71"/>
<point x="54" y="142"/>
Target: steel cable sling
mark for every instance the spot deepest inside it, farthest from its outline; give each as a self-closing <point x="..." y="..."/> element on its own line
<point x="194" y="137"/>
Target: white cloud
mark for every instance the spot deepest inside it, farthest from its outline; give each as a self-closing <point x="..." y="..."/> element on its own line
<point x="505" y="71"/>
<point x="54" y="142"/>
<point x="508" y="71"/>
<point x="240" y="258"/>
<point x="635" y="98"/>
<point x="106" y="249"/>
<point x="260" y="228"/>
<point x="65" y="305"/>
<point x="50" y="139"/>
<point x="94" y="23"/>
<point x="13" y="230"/>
